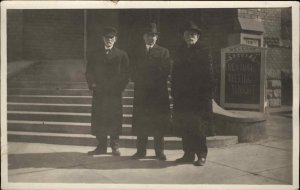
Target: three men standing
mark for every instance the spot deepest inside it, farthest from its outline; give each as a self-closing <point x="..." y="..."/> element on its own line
<point x="151" y="107"/>
<point x="107" y="75"/>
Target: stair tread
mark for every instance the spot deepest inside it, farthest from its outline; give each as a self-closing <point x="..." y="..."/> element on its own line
<point x="52" y="104"/>
<point x="56" y="96"/>
<point x="56" y="113"/>
<point x="54" y="123"/>
<point x="46" y="104"/>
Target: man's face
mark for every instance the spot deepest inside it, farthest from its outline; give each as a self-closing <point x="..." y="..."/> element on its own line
<point x="109" y="41"/>
<point x="150" y="38"/>
<point x="190" y="37"/>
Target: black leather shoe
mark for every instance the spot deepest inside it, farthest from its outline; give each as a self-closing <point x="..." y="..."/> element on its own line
<point x="116" y="152"/>
<point x="97" y="151"/>
<point x="161" y="157"/>
<point x="185" y="159"/>
<point x="138" y="155"/>
<point x="200" y="162"/>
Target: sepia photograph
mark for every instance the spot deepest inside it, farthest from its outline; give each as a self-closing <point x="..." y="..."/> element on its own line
<point x="149" y="95"/>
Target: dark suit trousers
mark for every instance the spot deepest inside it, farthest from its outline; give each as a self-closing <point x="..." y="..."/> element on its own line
<point x="102" y="141"/>
<point x="142" y="140"/>
<point x="194" y="144"/>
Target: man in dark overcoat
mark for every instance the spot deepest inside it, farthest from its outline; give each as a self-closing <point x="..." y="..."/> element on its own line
<point x="151" y="107"/>
<point x="192" y="92"/>
<point x="107" y="74"/>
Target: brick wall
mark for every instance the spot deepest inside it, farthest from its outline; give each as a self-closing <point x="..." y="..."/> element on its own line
<point x="14" y="35"/>
<point x="279" y="59"/>
<point x="270" y="17"/>
<point x="249" y="13"/>
<point x="53" y="34"/>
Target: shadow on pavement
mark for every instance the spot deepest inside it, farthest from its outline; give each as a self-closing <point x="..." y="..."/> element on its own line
<point x="76" y="160"/>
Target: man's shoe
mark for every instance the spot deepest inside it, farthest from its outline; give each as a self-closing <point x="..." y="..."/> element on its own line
<point x="138" y="155"/>
<point x="97" y="151"/>
<point x="116" y="152"/>
<point x="161" y="157"/>
<point x="185" y="159"/>
<point x="200" y="162"/>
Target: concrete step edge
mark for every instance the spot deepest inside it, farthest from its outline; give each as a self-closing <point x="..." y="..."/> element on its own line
<point x="55" y="113"/>
<point x="126" y="103"/>
<point x="46" y="104"/>
<point x="57" y="96"/>
<point x="54" y="123"/>
<point x="126" y="109"/>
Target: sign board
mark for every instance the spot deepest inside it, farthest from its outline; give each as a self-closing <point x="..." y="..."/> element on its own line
<point x="243" y="77"/>
<point x="252" y="42"/>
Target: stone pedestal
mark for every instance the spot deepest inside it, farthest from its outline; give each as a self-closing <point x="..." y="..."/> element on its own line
<point x="249" y="126"/>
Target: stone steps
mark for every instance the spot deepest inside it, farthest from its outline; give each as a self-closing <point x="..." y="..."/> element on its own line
<point x="59" y="111"/>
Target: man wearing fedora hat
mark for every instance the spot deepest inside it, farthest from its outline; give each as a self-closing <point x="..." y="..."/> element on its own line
<point x="151" y="107"/>
<point x="192" y="92"/>
<point x="107" y="74"/>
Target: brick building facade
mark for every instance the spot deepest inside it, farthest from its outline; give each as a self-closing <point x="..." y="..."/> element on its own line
<point x="70" y="34"/>
<point x="277" y="39"/>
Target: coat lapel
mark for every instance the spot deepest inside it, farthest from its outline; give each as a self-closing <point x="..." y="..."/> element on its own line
<point x="111" y="53"/>
<point x="154" y="50"/>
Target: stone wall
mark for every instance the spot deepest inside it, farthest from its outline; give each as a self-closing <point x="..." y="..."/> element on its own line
<point x="53" y="34"/>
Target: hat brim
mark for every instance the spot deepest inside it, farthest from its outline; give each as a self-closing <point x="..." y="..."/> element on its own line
<point x="194" y="30"/>
<point x="110" y="35"/>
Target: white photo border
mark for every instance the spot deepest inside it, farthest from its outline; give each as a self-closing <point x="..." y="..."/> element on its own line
<point x="5" y="5"/>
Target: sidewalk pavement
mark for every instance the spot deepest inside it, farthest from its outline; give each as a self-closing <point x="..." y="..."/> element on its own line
<point x="265" y="162"/>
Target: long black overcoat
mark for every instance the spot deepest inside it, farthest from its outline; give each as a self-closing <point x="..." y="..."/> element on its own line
<point x="192" y="87"/>
<point x="151" y="106"/>
<point x="110" y="72"/>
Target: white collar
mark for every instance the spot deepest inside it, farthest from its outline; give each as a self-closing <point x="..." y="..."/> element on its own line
<point x="106" y="48"/>
<point x="149" y="46"/>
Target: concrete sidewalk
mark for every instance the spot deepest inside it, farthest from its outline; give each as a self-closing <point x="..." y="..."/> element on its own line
<point x="265" y="162"/>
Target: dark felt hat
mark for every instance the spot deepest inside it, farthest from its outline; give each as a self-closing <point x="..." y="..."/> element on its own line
<point x="109" y="31"/>
<point x="192" y="26"/>
<point x="151" y="28"/>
